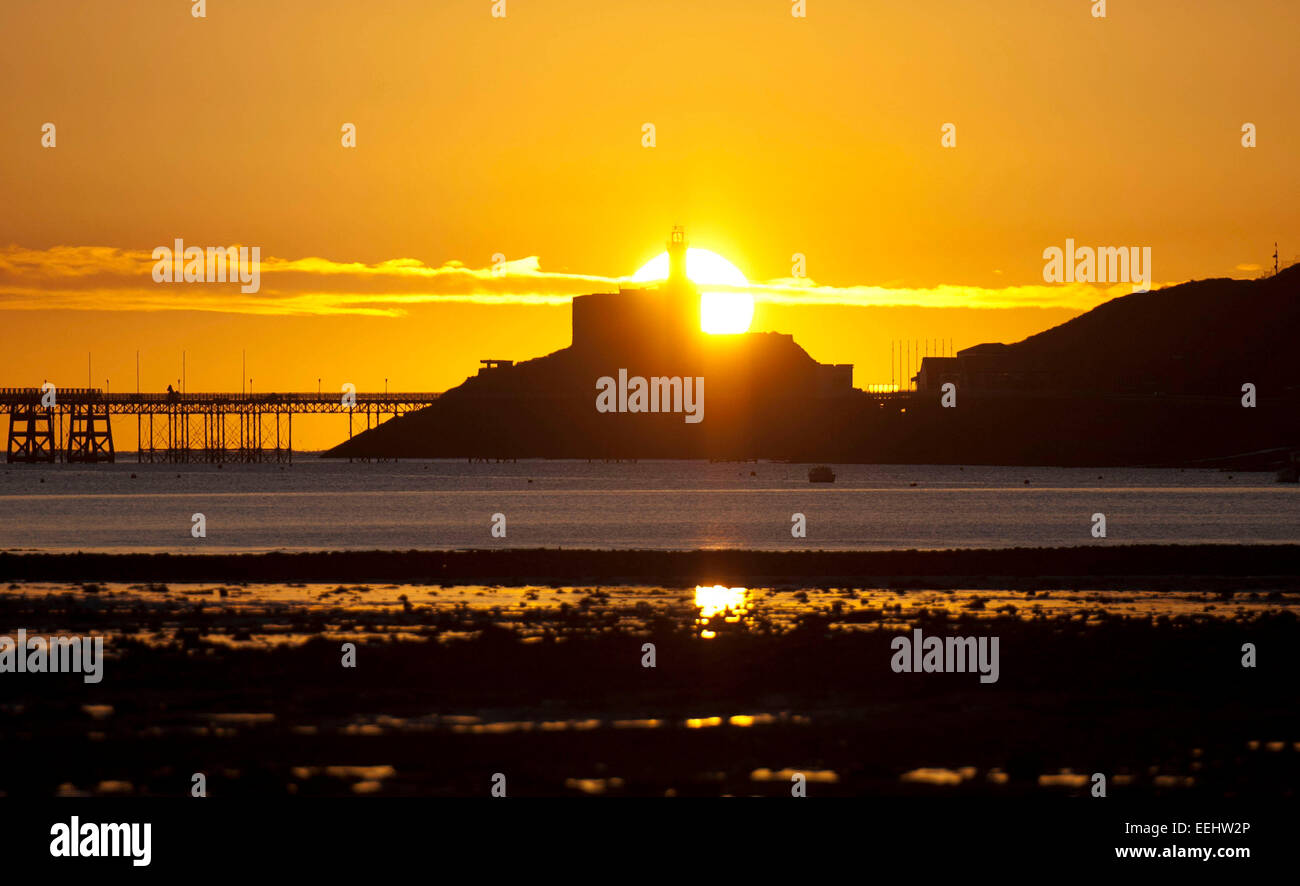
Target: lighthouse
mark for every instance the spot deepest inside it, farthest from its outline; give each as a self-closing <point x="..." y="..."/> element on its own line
<point x="677" y="256"/>
<point x="663" y="317"/>
<point x="679" y="314"/>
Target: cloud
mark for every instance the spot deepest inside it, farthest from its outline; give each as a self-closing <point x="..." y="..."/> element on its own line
<point x="1075" y="296"/>
<point x="102" y="278"/>
<point x="107" y="279"/>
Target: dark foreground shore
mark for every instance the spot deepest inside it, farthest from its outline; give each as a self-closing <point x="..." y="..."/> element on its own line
<point x="457" y="682"/>
<point x="1097" y="566"/>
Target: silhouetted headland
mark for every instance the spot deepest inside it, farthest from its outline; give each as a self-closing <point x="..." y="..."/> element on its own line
<point x="1152" y="378"/>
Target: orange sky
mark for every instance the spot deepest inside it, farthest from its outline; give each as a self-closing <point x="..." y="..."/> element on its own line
<point x="522" y="136"/>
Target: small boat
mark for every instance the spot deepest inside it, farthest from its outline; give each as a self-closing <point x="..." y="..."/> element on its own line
<point x="821" y="474"/>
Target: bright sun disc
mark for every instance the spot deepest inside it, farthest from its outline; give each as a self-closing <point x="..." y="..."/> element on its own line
<point x="721" y="313"/>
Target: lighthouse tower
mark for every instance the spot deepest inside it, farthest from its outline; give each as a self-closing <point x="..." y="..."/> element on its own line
<point x="677" y="256"/>
<point x="680" y="314"/>
<point x="662" y="318"/>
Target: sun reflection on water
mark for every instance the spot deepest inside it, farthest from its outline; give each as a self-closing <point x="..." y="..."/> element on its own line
<point x="729" y="604"/>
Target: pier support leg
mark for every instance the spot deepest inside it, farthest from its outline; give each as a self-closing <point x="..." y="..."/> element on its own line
<point x="90" y="434"/>
<point x="31" y="435"/>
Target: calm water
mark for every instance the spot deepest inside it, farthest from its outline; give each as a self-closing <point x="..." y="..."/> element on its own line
<point x="319" y="505"/>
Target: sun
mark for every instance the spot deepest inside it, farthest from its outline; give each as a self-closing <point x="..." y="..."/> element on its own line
<point x="721" y="313"/>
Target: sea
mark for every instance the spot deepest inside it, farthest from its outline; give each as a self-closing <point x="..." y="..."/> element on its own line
<point x="317" y="504"/>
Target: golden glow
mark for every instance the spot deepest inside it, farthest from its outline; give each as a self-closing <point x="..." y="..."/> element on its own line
<point x="877" y="205"/>
<point x="730" y="603"/>
<point x="825" y="776"/>
<point x="721" y="313"/>
<point x="703" y="722"/>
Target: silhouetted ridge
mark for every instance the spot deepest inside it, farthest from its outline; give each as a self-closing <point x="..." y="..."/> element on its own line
<point x="1205" y="337"/>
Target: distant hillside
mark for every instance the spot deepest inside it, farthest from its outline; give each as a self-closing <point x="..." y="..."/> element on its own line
<point x="1205" y="337"/>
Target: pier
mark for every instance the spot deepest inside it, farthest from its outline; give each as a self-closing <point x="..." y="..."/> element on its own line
<point x="73" y="424"/>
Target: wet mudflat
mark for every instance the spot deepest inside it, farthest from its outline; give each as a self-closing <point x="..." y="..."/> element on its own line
<point x="546" y="684"/>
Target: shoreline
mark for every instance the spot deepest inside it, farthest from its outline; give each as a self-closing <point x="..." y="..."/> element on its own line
<point x="1095" y="567"/>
